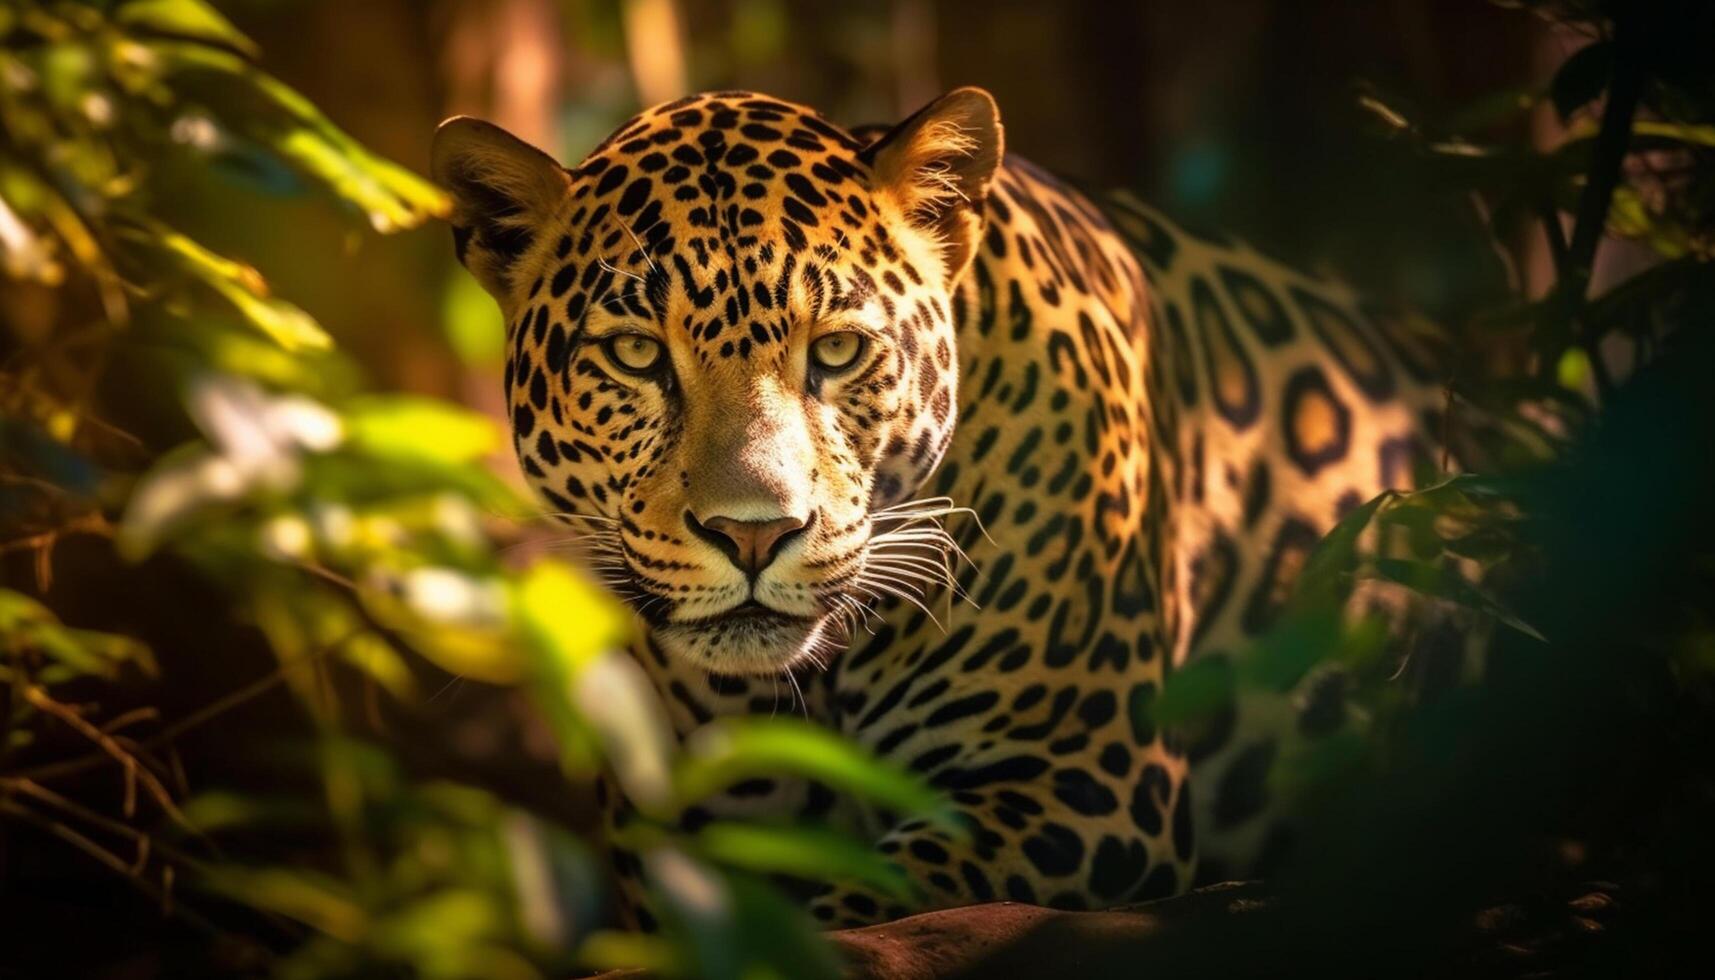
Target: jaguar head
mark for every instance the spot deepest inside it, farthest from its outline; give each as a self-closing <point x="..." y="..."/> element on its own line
<point x="730" y="353"/>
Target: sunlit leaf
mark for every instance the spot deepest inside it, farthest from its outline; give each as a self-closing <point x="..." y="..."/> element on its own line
<point x="375" y="659"/>
<point x="1573" y="371"/>
<point x="424" y="427"/>
<point x="228" y="344"/>
<point x="238" y="284"/>
<point x="814" y="853"/>
<point x="1383" y="109"/>
<point x="47" y="206"/>
<point x="279" y="117"/>
<point x="23" y="253"/>
<point x="472" y="322"/>
<point x="317" y="900"/>
<point x="617" y="698"/>
<point x="610" y="949"/>
<point x="720" y="754"/>
<point x="442" y="925"/>
<point x="213" y="811"/>
<point x="392" y="198"/>
<point x="256" y="443"/>
<point x="29" y="628"/>
<point x="568" y="625"/>
<point x="186" y="19"/>
<point x="1660" y="132"/>
<point x="1696" y="134"/>
<point x="452" y="619"/>
<point x="1630" y="217"/>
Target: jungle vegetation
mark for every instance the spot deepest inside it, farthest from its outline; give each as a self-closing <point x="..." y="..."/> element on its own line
<point x="245" y="577"/>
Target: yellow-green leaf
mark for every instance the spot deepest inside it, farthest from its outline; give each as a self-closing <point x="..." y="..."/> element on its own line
<point x="807" y="852"/>
<point x="185" y="18"/>
<point x="721" y="754"/>
<point x="403" y="425"/>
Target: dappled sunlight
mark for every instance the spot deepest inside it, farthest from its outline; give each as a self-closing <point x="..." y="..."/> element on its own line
<point x="351" y="627"/>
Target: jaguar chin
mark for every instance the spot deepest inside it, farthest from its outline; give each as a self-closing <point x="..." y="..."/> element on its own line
<point x="752" y="639"/>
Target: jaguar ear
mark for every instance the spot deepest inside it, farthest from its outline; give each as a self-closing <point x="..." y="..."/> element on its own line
<point x="503" y="191"/>
<point x="937" y="167"/>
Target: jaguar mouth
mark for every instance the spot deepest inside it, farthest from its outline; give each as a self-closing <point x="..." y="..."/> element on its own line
<point x="751" y="609"/>
<point x="750" y="613"/>
<point x="751" y="638"/>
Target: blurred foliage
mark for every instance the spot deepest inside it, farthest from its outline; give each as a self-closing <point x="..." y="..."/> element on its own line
<point x="1570" y="744"/>
<point x="359" y="533"/>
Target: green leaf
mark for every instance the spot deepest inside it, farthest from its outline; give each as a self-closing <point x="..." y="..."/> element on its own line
<point x="391" y="197"/>
<point x="190" y="19"/>
<point x="734" y="926"/>
<point x="697" y="910"/>
<point x="472" y="322"/>
<point x="228" y="344"/>
<point x="1630" y="217"/>
<point x="1447" y="583"/>
<point x="1192" y="693"/>
<point x="406" y="425"/>
<point x="725" y="752"/>
<point x="275" y="115"/>
<point x="1326" y="577"/>
<point x="28" y="627"/>
<point x="360" y="479"/>
<point x="315" y="899"/>
<point x="238" y="284"/>
<point x="617" y="699"/>
<point x="1698" y="134"/>
<point x="814" y="853"/>
<point x="611" y="949"/>
<point x="443" y="925"/>
<point x="1281" y="658"/>
<point x="214" y="811"/>
<point x="567" y="625"/>
<point x="1315" y="765"/>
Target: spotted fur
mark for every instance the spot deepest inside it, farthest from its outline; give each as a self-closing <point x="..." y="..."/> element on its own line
<point x="1152" y="429"/>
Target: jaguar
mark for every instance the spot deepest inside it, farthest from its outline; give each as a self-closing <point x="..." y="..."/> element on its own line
<point x="769" y="365"/>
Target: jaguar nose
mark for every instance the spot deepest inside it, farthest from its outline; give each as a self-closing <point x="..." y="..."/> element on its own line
<point x="750" y="545"/>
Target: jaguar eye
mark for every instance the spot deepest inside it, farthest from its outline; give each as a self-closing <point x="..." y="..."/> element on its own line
<point x="836" y="351"/>
<point x="634" y="352"/>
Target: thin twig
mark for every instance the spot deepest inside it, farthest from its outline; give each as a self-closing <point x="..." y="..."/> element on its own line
<point x="160" y="896"/>
<point x="201" y="716"/>
<point x="135" y="772"/>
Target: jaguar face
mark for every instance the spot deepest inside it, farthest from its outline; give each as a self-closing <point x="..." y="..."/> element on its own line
<point x="731" y="353"/>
